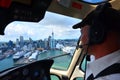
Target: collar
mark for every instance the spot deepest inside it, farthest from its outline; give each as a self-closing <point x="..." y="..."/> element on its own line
<point x="100" y="64"/>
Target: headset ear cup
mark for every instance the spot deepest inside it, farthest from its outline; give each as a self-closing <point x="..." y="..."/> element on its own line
<point x="98" y="31"/>
<point x="96" y="35"/>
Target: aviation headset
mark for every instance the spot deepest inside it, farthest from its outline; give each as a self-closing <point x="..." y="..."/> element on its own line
<point x="98" y="31"/>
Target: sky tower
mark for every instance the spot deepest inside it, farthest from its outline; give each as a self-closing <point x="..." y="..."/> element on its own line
<point x="52" y="41"/>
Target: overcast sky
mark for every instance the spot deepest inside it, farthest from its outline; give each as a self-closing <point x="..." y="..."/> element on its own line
<point x="52" y="22"/>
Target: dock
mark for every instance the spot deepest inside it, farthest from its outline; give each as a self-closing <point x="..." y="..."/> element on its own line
<point x="23" y="61"/>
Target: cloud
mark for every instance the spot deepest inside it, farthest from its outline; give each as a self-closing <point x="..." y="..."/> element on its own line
<point x="58" y="19"/>
<point x="59" y="24"/>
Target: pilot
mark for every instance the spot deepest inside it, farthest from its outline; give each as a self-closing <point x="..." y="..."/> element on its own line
<point x="100" y="36"/>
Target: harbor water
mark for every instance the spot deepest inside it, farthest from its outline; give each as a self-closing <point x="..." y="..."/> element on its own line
<point x="61" y="62"/>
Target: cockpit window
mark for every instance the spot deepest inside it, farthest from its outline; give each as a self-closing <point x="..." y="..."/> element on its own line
<point x="51" y="38"/>
<point x="94" y="1"/>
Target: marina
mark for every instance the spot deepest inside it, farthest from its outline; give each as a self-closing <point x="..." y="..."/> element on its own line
<point x="58" y="61"/>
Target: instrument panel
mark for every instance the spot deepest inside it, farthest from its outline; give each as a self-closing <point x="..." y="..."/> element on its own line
<point x="39" y="70"/>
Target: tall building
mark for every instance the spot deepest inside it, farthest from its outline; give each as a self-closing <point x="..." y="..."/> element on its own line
<point x="17" y="41"/>
<point x="10" y="44"/>
<point x="17" y="45"/>
<point x="46" y="41"/>
<point x="41" y="44"/>
<point x="21" y="41"/>
<point x="51" y="41"/>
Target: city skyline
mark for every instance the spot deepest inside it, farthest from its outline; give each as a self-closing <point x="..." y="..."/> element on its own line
<point x="62" y="28"/>
<point x="28" y="39"/>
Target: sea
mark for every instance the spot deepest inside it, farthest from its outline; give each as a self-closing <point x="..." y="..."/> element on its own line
<point x="61" y="60"/>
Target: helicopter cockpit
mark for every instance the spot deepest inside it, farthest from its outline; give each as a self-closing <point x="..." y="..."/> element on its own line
<point x="34" y="11"/>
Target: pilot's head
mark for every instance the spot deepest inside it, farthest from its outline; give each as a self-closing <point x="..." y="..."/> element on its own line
<point x="96" y="26"/>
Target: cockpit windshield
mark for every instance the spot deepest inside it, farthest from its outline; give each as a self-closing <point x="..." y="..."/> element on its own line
<point x="25" y="42"/>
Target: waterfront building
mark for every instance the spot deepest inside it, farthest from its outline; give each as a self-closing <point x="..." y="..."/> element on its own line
<point x="59" y="46"/>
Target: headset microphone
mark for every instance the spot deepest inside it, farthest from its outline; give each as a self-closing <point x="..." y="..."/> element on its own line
<point x="81" y="46"/>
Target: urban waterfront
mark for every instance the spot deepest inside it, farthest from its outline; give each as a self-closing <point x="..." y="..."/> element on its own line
<point x="31" y="50"/>
<point x="53" y="38"/>
<point x="59" y="62"/>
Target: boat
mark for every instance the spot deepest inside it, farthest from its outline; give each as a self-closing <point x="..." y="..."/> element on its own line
<point x="34" y="55"/>
<point x="28" y="54"/>
<point x="18" y="55"/>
